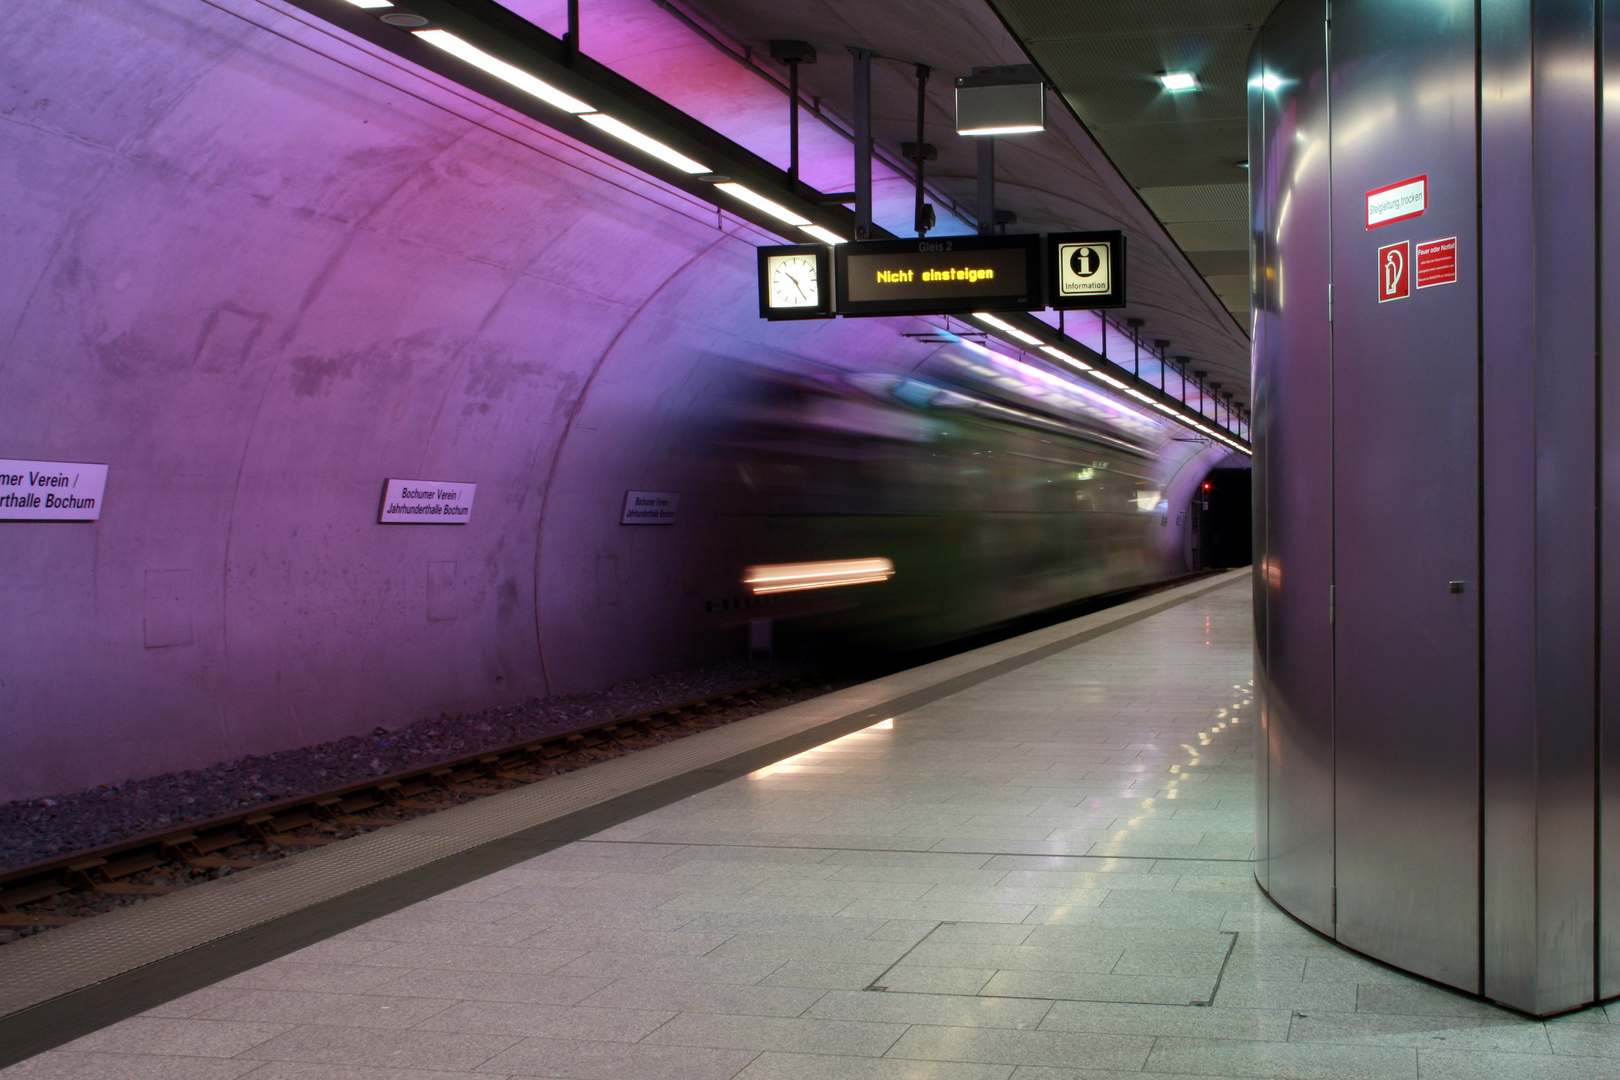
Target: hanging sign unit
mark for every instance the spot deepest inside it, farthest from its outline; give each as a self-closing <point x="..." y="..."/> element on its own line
<point x="947" y="275"/>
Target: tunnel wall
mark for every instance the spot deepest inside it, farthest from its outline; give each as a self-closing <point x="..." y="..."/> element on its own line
<point x="258" y="269"/>
<point x="1434" y="512"/>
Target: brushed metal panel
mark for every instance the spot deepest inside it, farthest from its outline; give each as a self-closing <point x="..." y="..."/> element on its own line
<point x="1609" y="568"/>
<point x="1293" y="387"/>
<point x="1507" y="367"/>
<point x="1405" y="400"/>
<point x="1563" y="97"/>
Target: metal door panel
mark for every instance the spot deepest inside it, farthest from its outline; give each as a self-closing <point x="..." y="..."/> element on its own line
<point x="1405" y="401"/>
<point x="1293" y="390"/>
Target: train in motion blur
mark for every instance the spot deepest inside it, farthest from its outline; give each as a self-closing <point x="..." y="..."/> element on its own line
<point x="897" y="509"/>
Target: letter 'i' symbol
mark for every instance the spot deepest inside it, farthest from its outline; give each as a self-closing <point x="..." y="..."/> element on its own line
<point x="1393" y="265"/>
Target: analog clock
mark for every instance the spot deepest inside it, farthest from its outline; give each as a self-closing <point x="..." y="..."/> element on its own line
<point x="792" y="281"/>
<point x="795" y="281"/>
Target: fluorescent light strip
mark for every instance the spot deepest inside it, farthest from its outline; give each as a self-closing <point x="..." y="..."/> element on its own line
<point x="1179" y="81"/>
<point x="760" y="202"/>
<point x="517" y="77"/>
<point x="1109" y="379"/>
<point x="826" y="236"/>
<point x="1020" y="129"/>
<point x="371" y="4"/>
<point x="645" y="143"/>
<point x="1065" y="357"/>
<point x="1006" y="327"/>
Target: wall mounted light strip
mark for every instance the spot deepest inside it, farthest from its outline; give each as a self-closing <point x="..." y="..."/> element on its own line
<point x="1006" y="327"/>
<point x="645" y="143"/>
<point x="1059" y="354"/>
<point x="517" y="77"/>
<point x="760" y="202"/>
<point x="372" y="4"/>
<point x="826" y="236"/>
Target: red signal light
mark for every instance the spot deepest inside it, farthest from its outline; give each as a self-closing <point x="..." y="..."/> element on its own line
<point x="1206" y="487"/>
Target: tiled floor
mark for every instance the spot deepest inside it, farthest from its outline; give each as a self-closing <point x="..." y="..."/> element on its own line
<point x="1043" y="877"/>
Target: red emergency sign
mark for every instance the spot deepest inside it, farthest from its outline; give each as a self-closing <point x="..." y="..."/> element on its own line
<point x="1436" y="262"/>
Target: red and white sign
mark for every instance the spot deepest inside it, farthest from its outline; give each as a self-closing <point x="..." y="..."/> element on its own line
<point x="1398" y="201"/>
<point x="1394" y="271"/>
<point x="1436" y="262"/>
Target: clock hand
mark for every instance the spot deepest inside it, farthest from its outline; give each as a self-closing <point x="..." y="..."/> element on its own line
<point x="796" y="285"/>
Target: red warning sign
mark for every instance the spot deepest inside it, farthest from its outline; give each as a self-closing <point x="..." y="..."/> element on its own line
<point x="1394" y="266"/>
<point x="1437" y="262"/>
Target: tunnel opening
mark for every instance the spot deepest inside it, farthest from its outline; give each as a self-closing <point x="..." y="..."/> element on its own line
<point x="1223" y="528"/>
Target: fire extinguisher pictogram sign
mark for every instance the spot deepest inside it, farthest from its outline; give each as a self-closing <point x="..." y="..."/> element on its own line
<point x="1394" y="271"/>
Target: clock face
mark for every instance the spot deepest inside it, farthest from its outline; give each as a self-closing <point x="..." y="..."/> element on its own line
<point x="793" y="282"/>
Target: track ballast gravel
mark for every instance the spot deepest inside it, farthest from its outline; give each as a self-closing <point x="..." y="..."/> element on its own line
<point x="34" y="830"/>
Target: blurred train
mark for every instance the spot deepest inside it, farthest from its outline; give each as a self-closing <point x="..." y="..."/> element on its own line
<point x="901" y="509"/>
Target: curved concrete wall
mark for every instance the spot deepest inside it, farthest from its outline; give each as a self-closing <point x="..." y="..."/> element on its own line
<point x="257" y="270"/>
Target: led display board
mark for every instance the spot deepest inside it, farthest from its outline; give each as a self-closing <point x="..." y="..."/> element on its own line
<point x="1085" y="270"/>
<point x="940" y="276"/>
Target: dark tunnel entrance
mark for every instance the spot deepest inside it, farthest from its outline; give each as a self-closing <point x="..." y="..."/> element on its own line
<point x="1222" y="521"/>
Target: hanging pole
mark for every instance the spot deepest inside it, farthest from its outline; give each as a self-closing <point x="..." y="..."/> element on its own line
<point x="923" y="219"/>
<point x="987" y="184"/>
<point x="793" y="53"/>
<point x="863" y="142"/>
<point x="793" y="122"/>
<point x="572" y="36"/>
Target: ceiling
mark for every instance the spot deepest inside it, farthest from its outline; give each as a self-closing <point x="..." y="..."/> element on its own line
<point x="1185" y="153"/>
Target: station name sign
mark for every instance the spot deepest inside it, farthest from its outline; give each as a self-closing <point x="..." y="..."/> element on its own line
<point x="427" y="502"/>
<point x="947" y="275"/>
<point x="51" y="490"/>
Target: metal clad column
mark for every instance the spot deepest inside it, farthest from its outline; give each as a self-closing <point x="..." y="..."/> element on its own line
<point x="1290" y="177"/>
<point x="1406" y="509"/>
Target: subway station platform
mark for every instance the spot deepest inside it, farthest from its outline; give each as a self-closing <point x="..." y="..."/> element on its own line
<point x="1029" y="861"/>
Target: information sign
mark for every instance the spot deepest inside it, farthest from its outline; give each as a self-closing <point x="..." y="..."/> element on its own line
<point x="51" y="490"/>
<point x="939" y="276"/>
<point x="1086" y="270"/>
<point x="427" y="502"/>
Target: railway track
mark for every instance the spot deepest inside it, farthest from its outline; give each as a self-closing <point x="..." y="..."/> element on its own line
<point x="62" y="891"/>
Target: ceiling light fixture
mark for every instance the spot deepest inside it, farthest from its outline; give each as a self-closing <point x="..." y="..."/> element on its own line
<point x="1006" y="327"/>
<point x="1109" y="379"/>
<point x="760" y="202"/>
<point x="620" y="130"/>
<point x="372" y="4"/>
<point x="503" y="71"/>
<point x="1178" y="82"/>
<point x="1065" y="357"/>
<point x="826" y="236"/>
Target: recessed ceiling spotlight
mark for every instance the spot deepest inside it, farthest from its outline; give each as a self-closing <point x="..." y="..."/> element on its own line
<point x="1178" y="82"/>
